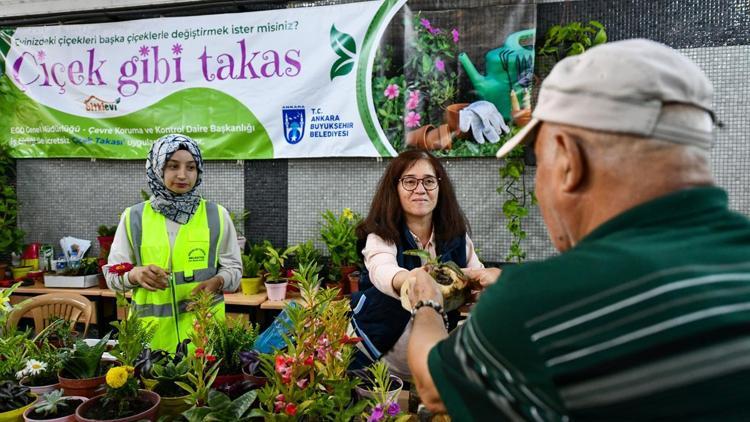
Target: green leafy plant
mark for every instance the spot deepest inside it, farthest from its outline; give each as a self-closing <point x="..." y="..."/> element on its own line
<point x="6" y="308"/>
<point x="13" y="396"/>
<point x="105" y="230"/>
<point x="12" y="355"/>
<point x="220" y="408"/>
<point x="87" y="266"/>
<point x="307" y="254"/>
<point x="338" y="233"/>
<point x="60" y="332"/>
<point x="238" y="219"/>
<point x="250" y="267"/>
<point x="274" y="262"/>
<point x="11" y="237"/>
<point x="516" y="207"/>
<point x="168" y="375"/>
<point x="55" y="405"/>
<point x="229" y="340"/>
<point x="203" y="370"/>
<point x="133" y="333"/>
<point x="309" y="379"/>
<point x="85" y="361"/>
<point x="571" y="39"/>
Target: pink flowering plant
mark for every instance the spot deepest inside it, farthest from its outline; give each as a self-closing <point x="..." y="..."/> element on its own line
<point x="309" y="378"/>
<point x="415" y="94"/>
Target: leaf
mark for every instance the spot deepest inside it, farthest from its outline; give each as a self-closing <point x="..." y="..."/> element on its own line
<point x="601" y="37"/>
<point x="575" y="48"/>
<point x="343" y="44"/>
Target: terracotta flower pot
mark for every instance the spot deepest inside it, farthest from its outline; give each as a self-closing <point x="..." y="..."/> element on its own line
<point x="27" y="415"/>
<point x="16" y="415"/>
<point x="439" y="139"/>
<point x="95" y="404"/>
<point x="418" y="138"/>
<point x="87" y="387"/>
<point x="453" y="117"/>
<point x="344" y="280"/>
<point x="354" y="282"/>
<point x="521" y="117"/>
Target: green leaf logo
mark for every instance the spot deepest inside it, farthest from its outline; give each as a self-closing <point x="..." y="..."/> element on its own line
<point x="344" y="47"/>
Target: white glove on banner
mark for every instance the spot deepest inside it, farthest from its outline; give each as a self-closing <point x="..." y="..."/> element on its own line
<point x="484" y="120"/>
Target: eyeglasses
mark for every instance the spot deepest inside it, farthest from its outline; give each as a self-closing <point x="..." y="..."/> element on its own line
<point x="410" y="183"/>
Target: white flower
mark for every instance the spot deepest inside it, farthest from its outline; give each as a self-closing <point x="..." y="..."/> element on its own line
<point x="35" y="367"/>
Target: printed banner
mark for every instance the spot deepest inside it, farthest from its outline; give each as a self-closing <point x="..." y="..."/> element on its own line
<point x="304" y="82"/>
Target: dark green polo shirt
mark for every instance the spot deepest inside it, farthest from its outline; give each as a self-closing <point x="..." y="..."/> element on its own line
<point x="647" y="317"/>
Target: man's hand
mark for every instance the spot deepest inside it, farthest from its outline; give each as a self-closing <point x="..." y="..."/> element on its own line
<point x="423" y="287"/>
<point x="150" y="277"/>
<point x="484" y="276"/>
<point x="212" y="285"/>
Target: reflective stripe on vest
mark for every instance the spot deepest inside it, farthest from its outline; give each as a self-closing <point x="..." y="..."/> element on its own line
<point x="193" y="258"/>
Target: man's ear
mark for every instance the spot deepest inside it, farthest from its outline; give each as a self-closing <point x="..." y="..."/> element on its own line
<point x="570" y="162"/>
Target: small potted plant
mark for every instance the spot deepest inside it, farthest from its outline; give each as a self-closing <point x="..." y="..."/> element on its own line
<point x="14" y="400"/>
<point x="54" y="407"/>
<point x="338" y="233"/>
<point x="173" y="397"/>
<point x="40" y="375"/>
<point x="274" y="263"/>
<point x="251" y="280"/>
<point x="382" y="389"/>
<point x="123" y="401"/>
<point x="83" y="372"/>
<point x="228" y="340"/>
<point x="60" y="333"/>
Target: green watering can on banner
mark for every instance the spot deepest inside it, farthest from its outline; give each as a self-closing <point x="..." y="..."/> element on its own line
<point x="510" y="66"/>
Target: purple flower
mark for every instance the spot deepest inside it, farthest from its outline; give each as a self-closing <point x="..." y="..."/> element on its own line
<point x="391" y="91"/>
<point x="455" y="34"/>
<point x="435" y="31"/>
<point x="413" y="100"/>
<point x="394" y="409"/>
<point x="440" y="65"/>
<point x="143" y="51"/>
<point x="377" y="414"/>
<point x="412" y="119"/>
<point x="425" y="23"/>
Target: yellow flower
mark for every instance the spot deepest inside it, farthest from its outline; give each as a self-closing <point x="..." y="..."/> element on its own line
<point x="347" y="213"/>
<point x="130" y="369"/>
<point x="117" y="376"/>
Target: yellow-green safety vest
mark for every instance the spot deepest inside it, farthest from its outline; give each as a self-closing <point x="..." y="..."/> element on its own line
<point x="194" y="258"/>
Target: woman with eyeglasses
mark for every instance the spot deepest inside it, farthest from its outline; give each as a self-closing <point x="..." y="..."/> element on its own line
<point x="414" y="207"/>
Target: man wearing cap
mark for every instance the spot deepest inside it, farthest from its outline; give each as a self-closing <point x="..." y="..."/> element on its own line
<point x="646" y="312"/>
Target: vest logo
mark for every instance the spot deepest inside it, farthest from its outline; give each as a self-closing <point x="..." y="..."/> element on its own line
<point x="293" y="118"/>
<point x="197" y="255"/>
<point x="94" y="103"/>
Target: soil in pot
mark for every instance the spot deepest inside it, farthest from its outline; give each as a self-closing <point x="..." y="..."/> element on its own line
<point x="144" y="407"/>
<point x="65" y="409"/>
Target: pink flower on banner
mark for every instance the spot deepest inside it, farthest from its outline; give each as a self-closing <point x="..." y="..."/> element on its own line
<point x="413" y="100"/>
<point x="455" y="34"/>
<point x="425" y="23"/>
<point x="391" y="91"/>
<point x="412" y="119"/>
<point x="440" y="65"/>
<point x="177" y="49"/>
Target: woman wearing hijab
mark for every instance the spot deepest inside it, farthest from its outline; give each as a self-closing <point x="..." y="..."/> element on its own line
<point x="177" y="242"/>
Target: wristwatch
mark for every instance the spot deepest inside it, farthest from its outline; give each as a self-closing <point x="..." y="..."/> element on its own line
<point x="432" y="304"/>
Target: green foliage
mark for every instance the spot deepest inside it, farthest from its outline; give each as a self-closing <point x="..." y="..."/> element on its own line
<point x="168" y="375"/>
<point x="11" y="237"/>
<point x="338" y="233"/>
<point x="12" y="355"/>
<point x="220" y="408"/>
<point x="516" y="208"/>
<point x="250" y="267"/>
<point x="85" y="361"/>
<point x="133" y="334"/>
<point x="307" y="254"/>
<point x="13" y="396"/>
<point x="228" y="340"/>
<point x="120" y="401"/>
<point x="105" y="230"/>
<point x="87" y="266"/>
<point x="59" y="330"/>
<point x="200" y="377"/>
<point x="5" y="309"/>
<point x="238" y="219"/>
<point x="390" y="110"/>
<point x="569" y="40"/>
<point x="274" y="261"/>
<point x="54" y="404"/>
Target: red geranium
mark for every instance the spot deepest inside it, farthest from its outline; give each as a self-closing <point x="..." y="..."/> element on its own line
<point x="199" y="352"/>
<point x="121" y="268"/>
<point x="291" y="409"/>
<point x="210" y="358"/>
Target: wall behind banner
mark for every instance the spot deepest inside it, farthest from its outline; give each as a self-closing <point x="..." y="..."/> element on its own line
<point x="285" y="197"/>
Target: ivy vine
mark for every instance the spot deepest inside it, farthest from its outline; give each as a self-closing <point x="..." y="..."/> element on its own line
<point x="515" y="208"/>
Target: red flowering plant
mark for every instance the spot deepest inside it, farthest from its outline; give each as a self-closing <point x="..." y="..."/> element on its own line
<point x="309" y="378"/>
<point x="133" y="333"/>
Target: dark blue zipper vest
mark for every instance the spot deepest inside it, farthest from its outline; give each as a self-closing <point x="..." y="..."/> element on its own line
<point x="378" y="318"/>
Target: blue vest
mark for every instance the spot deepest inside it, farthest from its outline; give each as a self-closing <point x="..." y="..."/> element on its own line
<point x="378" y="318"/>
